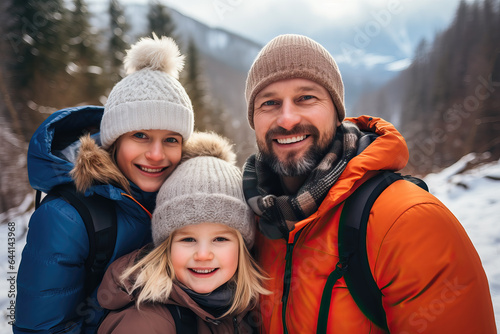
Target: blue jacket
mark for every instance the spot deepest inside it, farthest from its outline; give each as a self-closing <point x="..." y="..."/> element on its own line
<point x="50" y="282"/>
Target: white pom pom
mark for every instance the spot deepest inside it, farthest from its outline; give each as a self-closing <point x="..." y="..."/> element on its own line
<point x="160" y="54"/>
<point x="208" y="144"/>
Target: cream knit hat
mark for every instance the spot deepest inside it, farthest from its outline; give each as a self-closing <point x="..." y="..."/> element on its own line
<point x="205" y="188"/>
<point x="150" y="97"/>
<point x="294" y="56"/>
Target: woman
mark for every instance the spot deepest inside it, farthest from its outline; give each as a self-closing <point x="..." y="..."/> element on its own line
<point x="125" y="153"/>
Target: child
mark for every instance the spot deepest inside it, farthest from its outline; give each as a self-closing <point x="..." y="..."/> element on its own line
<point x="145" y="121"/>
<point x="202" y="229"/>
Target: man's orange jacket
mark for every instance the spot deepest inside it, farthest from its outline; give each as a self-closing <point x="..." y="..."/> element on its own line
<point x="421" y="258"/>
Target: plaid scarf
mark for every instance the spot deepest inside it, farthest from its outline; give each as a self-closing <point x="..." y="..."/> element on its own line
<point x="279" y="212"/>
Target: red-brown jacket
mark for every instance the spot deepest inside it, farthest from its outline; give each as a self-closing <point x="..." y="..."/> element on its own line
<point x="155" y="318"/>
<point x="421" y="258"/>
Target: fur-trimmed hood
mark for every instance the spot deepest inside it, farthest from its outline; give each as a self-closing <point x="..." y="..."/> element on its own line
<point x="65" y="149"/>
<point x="95" y="165"/>
<point x="54" y="145"/>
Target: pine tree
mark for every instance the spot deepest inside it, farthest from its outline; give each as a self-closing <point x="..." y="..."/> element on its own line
<point x="159" y="19"/>
<point x="193" y="85"/>
<point x="37" y="34"/>
<point x="205" y="117"/>
<point x="118" y="42"/>
<point x="85" y="55"/>
<point x="37" y="55"/>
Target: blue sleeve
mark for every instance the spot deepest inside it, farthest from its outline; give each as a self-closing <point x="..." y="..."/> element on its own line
<point x="50" y="282"/>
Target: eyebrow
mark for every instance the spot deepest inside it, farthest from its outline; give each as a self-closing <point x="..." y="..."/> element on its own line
<point x="301" y="89"/>
<point x="216" y="232"/>
<point x="265" y="96"/>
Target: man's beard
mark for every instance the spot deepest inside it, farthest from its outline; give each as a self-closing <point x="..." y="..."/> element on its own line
<point x="292" y="166"/>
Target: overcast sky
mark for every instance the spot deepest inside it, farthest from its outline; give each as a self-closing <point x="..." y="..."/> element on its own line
<point x="261" y="20"/>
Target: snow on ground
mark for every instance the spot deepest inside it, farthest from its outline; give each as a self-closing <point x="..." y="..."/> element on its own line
<point x="13" y="228"/>
<point x="473" y="196"/>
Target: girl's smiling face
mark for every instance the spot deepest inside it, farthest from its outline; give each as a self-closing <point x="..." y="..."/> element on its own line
<point x="204" y="256"/>
<point x="148" y="157"/>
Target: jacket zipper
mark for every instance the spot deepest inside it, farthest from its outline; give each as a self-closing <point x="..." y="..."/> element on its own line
<point x="287" y="279"/>
<point x="235" y="324"/>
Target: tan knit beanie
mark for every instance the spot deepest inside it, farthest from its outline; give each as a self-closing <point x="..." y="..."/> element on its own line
<point x="206" y="187"/>
<point x="294" y="56"/>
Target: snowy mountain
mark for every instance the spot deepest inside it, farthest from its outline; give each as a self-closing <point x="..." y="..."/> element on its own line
<point x="369" y="52"/>
<point x="225" y="59"/>
<point x="471" y="194"/>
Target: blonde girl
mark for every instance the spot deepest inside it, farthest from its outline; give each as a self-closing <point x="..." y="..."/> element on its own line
<point x="202" y="230"/>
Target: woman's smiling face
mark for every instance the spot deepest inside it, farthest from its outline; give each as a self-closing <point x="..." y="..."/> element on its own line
<point x="148" y="157"/>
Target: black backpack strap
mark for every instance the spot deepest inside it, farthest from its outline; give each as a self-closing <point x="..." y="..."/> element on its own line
<point x="352" y="243"/>
<point x="353" y="256"/>
<point x="184" y="319"/>
<point x="353" y="264"/>
<point x="38" y="199"/>
<point x="99" y="215"/>
<point x="324" y="308"/>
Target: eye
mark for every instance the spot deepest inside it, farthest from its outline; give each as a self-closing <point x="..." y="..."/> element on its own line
<point x="140" y="135"/>
<point x="269" y="103"/>
<point x="306" y="97"/>
<point x="220" y="239"/>
<point x="171" y="140"/>
<point x="187" y="239"/>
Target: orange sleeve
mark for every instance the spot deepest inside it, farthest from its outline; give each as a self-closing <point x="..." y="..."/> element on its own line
<point x="427" y="268"/>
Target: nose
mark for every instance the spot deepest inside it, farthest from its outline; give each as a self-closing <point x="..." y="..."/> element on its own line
<point x="203" y="253"/>
<point x="155" y="151"/>
<point x="289" y="116"/>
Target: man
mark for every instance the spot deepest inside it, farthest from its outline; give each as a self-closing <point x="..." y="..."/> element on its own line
<point x="310" y="161"/>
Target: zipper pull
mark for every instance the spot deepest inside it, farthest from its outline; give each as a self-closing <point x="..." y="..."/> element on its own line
<point x="235" y="324"/>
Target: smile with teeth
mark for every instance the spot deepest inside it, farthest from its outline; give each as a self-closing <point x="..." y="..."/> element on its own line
<point x="291" y="140"/>
<point x="151" y="170"/>
<point x="203" y="271"/>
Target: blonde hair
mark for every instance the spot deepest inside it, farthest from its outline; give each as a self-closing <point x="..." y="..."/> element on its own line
<point x="153" y="277"/>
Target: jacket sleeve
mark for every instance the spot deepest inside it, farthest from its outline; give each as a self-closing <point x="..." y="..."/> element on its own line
<point x="51" y="274"/>
<point x="429" y="272"/>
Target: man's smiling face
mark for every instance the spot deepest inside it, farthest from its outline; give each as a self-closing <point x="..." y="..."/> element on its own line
<point x="295" y="121"/>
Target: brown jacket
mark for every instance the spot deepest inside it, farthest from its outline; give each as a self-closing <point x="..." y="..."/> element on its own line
<point x="155" y="318"/>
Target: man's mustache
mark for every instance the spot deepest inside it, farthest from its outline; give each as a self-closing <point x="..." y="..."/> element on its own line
<point x="298" y="129"/>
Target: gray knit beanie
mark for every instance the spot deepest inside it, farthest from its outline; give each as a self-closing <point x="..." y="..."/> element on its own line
<point x="205" y="188"/>
<point x="294" y="56"/>
<point x="150" y="97"/>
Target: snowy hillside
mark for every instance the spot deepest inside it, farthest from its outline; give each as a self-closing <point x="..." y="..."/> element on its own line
<point x="474" y="197"/>
<point x="471" y="195"/>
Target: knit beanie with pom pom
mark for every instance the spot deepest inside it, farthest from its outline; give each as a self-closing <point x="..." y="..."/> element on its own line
<point x="150" y="97"/>
<point x="205" y="188"/>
